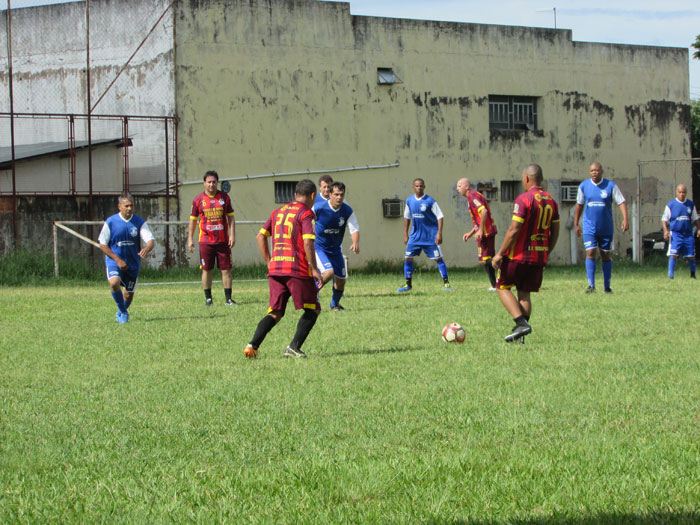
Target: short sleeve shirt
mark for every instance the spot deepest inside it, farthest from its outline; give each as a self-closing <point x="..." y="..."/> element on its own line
<point x="536" y="210"/>
<point x="289" y="226"/>
<point x="478" y="202"/>
<point x="213" y="214"/>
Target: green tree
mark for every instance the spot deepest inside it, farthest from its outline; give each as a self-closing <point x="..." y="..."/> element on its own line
<point x="696" y="45"/>
<point x="695" y="128"/>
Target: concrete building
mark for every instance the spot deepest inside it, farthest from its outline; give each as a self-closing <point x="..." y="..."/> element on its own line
<point x="268" y="87"/>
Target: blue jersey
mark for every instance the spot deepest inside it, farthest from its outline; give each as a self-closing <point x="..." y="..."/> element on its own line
<point x="319" y="199"/>
<point x="680" y="216"/>
<point x="124" y="238"/>
<point x="424" y="214"/>
<point x="597" y="200"/>
<point x="331" y="225"/>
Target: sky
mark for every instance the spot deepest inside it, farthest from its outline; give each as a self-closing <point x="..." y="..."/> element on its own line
<point x="674" y="23"/>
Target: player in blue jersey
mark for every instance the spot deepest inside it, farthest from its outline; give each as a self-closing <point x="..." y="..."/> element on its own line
<point x="120" y="240"/>
<point x="332" y="218"/>
<point x="324" y="189"/>
<point x="678" y="219"/>
<point x="426" y="233"/>
<point x="596" y="195"/>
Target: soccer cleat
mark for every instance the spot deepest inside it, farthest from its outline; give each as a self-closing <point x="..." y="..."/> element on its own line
<point x="230" y="302"/>
<point x="519" y="331"/>
<point x="404" y="289"/>
<point x="208" y="302"/>
<point x="250" y="352"/>
<point x="671" y="277"/>
<point x="447" y="287"/>
<point x="608" y="290"/>
<point x="122" y="317"/>
<point x="337" y="308"/>
<point x="692" y="276"/>
<point x="590" y="289"/>
<point x="290" y="352"/>
<point x="492" y="289"/>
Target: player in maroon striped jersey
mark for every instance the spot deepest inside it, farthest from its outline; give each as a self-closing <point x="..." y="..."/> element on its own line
<point x="217" y="235"/>
<point x="520" y="262"/>
<point x="291" y="268"/>
<point x="484" y="230"/>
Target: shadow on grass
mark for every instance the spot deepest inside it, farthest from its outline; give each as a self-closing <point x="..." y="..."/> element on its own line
<point x="371" y="351"/>
<point x="661" y="517"/>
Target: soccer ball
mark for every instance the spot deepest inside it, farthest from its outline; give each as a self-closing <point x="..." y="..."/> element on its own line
<point x="453" y="333"/>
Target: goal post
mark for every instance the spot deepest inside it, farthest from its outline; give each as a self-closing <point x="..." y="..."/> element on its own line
<point x="64" y="226"/>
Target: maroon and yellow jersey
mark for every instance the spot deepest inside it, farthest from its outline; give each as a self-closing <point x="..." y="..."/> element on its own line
<point x="289" y="226"/>
<point x="213" y="213"/>
<point x="536" y="210"/>
<point x="477" y="202"/>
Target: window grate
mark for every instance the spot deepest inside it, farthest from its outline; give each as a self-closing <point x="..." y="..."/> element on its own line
<point x="284" y="191"/>
<point x="512" y="113"/>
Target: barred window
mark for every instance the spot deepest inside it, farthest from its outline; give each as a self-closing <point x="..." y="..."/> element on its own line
<point x="510" y="189"/>
<point x="284" y="190"/>
<point x="512" y="113"/>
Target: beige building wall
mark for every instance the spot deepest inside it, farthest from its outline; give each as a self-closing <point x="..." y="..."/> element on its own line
<point x="291" y="85"/>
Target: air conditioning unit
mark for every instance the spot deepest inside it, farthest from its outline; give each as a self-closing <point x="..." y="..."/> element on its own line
<point x="392" y="208"/>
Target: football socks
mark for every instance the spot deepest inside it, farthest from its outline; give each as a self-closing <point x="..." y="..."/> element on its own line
<point x="408" y="271"/>
<point x="264" y="326"/>
<point x="304" y="326"/>
<point x="590" y="271"/>
<point x="443" y="269"/>
<point x="119" y="299"/>
<point x="227" y="293"/>
<point x="672" y="266"/>
<point x="607" y="273"/>
<point x="491" y="272"/>
<point x="335" y="300"/>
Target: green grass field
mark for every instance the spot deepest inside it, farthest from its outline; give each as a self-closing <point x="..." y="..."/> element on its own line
<point x="596" y="419"/>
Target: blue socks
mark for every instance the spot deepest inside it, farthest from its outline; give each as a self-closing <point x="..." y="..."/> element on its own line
<point x="408" y="269"/>
<point x="672" y="266"/>
<point x="693" y="266"/>
<point x="443" y="269"/>
<point x="119" y="299"/>
<point x="337" y="294"/>
<point x="607" y="273"/>
<point x="590" y="271"/>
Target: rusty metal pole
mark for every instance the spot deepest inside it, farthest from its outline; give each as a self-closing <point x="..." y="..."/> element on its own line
<point x="125" y="152"/>
<point x="71" y="153"/>
<point x="167" y="197"/>
<point x="89" y="106"/>
<point x="15" y="218"/>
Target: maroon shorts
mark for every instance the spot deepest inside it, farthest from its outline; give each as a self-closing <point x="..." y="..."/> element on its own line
<point x="210" y="253"/>
<point x="486" y="248"/>
<point x="525" y="277"/>
<point x="302" y="290"/>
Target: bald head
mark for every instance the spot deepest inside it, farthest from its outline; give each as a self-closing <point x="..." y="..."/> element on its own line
<point x="596" y="172"/>
<point x="534" y="172"/>
<point x="463" y="186"/>
<point x="681" y="192"/>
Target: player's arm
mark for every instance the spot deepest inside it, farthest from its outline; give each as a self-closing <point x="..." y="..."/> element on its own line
<point x="146" y="236"/>
<point x="508" y="241"/>
<point x="625" y="223"/>
<point x="190" y="233"/>
<point x="109" y="253"/>
<point x="354" y="229"/>
<point x="310" y="251"/>
<point x="438" y="237"/>
<point x="665" y="220"/>
<point x="553" y="235"/>
<point x="231" y="231"/>
<point x="577" y="215"/>
<point x="406" y="223"/>
<point x="482" y="224"/>
<point x="263" y="245"/>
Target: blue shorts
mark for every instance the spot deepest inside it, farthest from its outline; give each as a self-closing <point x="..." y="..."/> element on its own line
<point x="603" y="242"/>
<point x="432" y="251"/>
<point x="681" y="245"/>
<point x="331" y="261"/>
<point x="128" y="278"/>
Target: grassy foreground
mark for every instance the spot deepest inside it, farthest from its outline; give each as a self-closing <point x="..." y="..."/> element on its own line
<point x="595" y="419"/>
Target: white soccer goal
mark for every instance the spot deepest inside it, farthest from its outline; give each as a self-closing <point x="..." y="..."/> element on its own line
<point x="64" y="226"/>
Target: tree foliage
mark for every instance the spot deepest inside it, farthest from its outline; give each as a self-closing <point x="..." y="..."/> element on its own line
<point x="695" y="127"/>
<point x="696" y="45"/>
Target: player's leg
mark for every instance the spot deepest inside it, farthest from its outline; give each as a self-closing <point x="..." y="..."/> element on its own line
<point x="223" y="259"/>
<point x="411" y="252"/>
<point x="514" y="274"/>
<point x="689" y="251"/>
<point x="279" y="294"/>
<point x="590" y="243"/>
<point x="434" y="252"/>
<point x="605" y="247"/>
<point x="305" y="296"/>
<point x="486" y="251"/>
<point x="325" y="267"/>
<point x="115" y="288"/>
<point x="341" y="273"/>
<point x="207" y="260"/>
